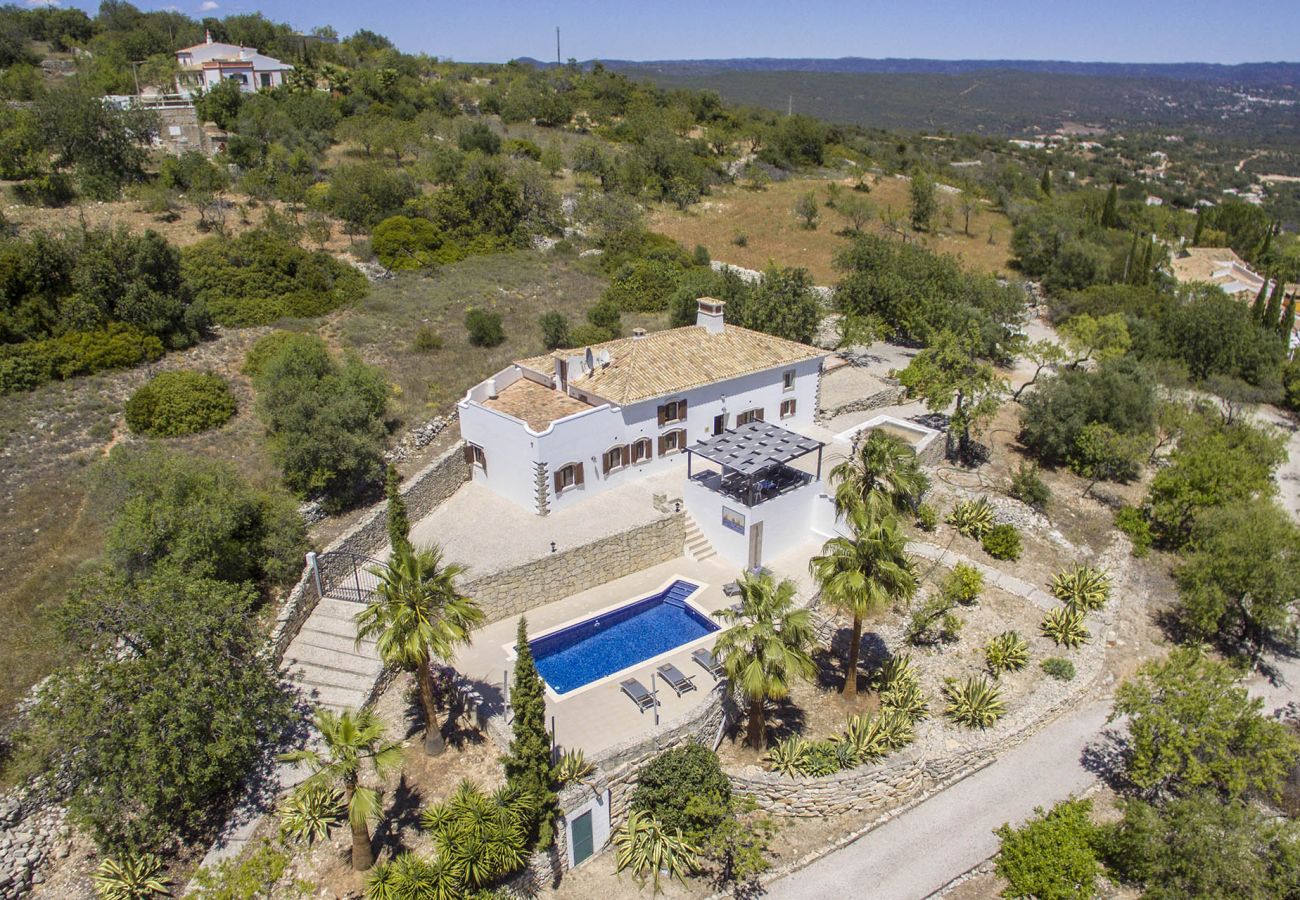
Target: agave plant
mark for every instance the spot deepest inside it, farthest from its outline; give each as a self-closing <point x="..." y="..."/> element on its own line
<point x="972" y="517"/>
<point x="1082" y="587"/>
<point x="1065" y="627"/>
<point x="1006" y="652"/>
<point x="310" y="813"/>
<point x="647" y="848"/>
<point x="871" y="737"/>
<point x="407" y="875"/>
<point x="573" y="767"/>
<point x="788" y="756"/>
<point x="895" y="670"/>
<point x="907" y="699"/>
<point x="975" y="702"/>
<point x="481" y="837"/>
<point x="135" y="877"/>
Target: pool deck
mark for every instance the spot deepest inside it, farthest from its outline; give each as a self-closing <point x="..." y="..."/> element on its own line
<point x="599" y="716"/>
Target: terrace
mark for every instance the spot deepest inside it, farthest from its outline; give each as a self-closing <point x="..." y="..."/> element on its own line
<point x="754" y="462"/>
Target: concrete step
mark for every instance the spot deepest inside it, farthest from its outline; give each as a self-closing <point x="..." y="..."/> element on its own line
<point x="322" y="676"/>
<point x="335" y="698"/>
<point x="342" y="643"/>
<point x="344" y="610"/>
<point x="344" y="628"/>
<point x="299" y="652"/>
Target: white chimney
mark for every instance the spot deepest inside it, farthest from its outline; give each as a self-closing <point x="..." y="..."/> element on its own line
<point x="638" y="333"/>
<point x="492" y="389"/>
<point x="709" y="314"/>
<point x="207" y="36"/>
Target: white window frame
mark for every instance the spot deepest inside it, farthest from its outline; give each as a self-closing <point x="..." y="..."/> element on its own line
<point x="478" y="456"/>
<point x="649" y="450"/>
<point x="677" y="437"/>
<point x="604" y="461"/>
<point x="788" y="379"/>
<point x="571" y="482"/>
<point x="749" y="415"/>
<point x="791" y="405"/>
<point x="676" y="406"/>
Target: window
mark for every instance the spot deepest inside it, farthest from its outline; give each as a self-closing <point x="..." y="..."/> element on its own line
<point x="475" y="456"/>
<point x="749" y="415"/>
<point x="672" y="412"/>
<point x="568" y="477"/>
<point x="642" y="451"/>
<point x="787" y="380"/>
<point x="266" y="79"/>
<point x="672" y="441"/>
<point x="787" y="408"/>
<point x="615" y="458"/>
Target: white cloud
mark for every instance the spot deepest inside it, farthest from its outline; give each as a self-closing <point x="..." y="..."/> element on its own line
<point x="208" y="5"/>
<point x="42" y="2"/>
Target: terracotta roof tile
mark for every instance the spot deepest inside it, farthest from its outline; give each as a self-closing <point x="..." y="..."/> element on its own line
<point x="535" y="404"/>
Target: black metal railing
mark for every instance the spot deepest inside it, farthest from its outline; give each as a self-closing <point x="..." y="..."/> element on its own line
<point x="751" y="490"/>
<point x="347" y="576"/>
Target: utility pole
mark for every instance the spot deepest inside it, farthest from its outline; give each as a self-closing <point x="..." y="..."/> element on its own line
<point x="557" y="45"/>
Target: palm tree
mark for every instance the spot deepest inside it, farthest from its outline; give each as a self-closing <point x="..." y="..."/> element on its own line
<point x="882" y="475"/>
<point x="766" y="647"/>
<point x="417" y="616"/>
<point x="862" y="574"/>
<point x="351" y="740"/>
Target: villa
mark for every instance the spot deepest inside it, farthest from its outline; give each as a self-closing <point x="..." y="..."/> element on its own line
<point x="206" y="65"/>
<point x="552" y="431"/>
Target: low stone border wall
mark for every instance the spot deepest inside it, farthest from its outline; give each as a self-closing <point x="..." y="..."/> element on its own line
<point x="514" y="591"/>
<point x="424" y="492"/>
<point x="891" y="396"/>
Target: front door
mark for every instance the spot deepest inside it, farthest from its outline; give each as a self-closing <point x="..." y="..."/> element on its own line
<point x="720" y="423"/>
<point x="581" y="837"/>
<point x="755" y="545"/>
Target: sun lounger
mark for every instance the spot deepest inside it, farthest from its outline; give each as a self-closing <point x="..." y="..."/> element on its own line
<point x="705" y="659"/>
<point x="677" y="680"/>
<point x="731" y="589"/>
<point x="640" y="696"/>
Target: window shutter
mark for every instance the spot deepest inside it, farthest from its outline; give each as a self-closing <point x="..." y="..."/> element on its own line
<point x="627" y="455"/>
<point x="663" y="415"/>
<point x="663" y="443"/>
<point x="469" y="454"/>
<point x="604" y="463"/>
<point x="758" y="414"/>
<point x="681" y="410"/>
<point x="577" y="474"/>
<point x="482" y="457"/>
<point x="558" y="484"/>
<point x="681" y="439"/>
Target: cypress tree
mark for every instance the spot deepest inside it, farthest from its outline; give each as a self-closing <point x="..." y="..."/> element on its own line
<point x="1274" y="310"/>
<point x="1287" y="325"/>
<point x="1110" y="211"/>
<point x="399" y="524"/>
<point x="1130" y="264"/>
<point x="528" y="764"/>
<point x="1266" y="245"/>
<point x="1046" y="182"/>
<point x="1257" y="308"/>
<point x="1200" y="226"/>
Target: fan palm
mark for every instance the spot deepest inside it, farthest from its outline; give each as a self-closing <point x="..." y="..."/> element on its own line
<point x="766" y="647"/>
<point x="351" y="740"/>
<point x="417" y="616"/>
<point x="863" y="574"/>
<point x="882" y="475"/>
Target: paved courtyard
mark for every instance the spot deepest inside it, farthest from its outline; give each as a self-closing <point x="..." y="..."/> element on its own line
<point x="599" y="716"/>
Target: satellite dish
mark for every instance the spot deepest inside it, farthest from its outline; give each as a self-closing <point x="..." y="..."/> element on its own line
<point x="603" y="358"/>
<point x="590" y="360"/>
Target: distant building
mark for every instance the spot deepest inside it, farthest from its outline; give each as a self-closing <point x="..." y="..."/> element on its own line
<point x="206" y="65"/>
<point x="1153" y="200"/>
<point x="1220" y="266"/>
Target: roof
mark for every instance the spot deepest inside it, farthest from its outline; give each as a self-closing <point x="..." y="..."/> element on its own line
<point x="676" y="360"/>
<point x="219" y="51"/>
<point x="755" y="447"/>
<point x="1213" y="265"/>
<point x="536" y="404"/>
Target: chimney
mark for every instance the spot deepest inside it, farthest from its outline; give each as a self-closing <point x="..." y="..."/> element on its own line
<point x="638" y="333"/>
<point x="561" y="375"/>
<point x="492" y="389"/>
<point x="709" y="314"/>
<point x="207" y="36"/>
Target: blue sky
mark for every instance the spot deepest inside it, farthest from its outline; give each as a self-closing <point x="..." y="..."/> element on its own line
<point x="494" y="30"/>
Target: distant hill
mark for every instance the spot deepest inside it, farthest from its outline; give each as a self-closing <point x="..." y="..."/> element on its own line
<point x="1250" y="101"/>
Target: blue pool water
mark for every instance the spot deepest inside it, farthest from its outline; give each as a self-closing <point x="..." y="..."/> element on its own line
<point x="623" y="637"/>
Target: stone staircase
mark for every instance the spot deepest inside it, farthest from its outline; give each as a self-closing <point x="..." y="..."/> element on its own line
<point x="324" y="661"/>
<point x="698" y="547"/>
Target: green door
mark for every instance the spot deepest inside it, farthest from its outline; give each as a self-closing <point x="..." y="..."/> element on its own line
<point x="580" y="838"/>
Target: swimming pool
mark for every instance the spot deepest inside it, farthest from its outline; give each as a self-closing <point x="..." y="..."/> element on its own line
<point x="615" y="640"/>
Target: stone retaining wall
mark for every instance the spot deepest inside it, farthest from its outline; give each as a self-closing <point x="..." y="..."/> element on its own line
<point x="514" y="591"/>
<point x="424" y="492"/>
<point x="890" y="396"/>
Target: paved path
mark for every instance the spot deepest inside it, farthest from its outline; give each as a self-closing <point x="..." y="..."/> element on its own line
<point x="919" y="852"/>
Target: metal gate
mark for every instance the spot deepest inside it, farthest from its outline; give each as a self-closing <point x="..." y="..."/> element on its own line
<point x="347" y="576"/>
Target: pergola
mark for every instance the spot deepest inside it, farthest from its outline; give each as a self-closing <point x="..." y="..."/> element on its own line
<point x="754" y="459"/>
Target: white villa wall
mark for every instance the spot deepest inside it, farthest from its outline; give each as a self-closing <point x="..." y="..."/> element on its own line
<point x="584" y="437"/>
<point x="786" y="519"/>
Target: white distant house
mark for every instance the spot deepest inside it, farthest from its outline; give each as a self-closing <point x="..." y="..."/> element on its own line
<point x="205" y="65"/>
<point x="553" y="431"/>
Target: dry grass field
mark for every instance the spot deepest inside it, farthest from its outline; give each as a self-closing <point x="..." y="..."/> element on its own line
<point x="774" y="233"/>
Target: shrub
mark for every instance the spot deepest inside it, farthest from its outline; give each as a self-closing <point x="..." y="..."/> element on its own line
<point x="484" y="327"/>
<point x="974" y="703"/>
<point x="118" y="346"/>
<point x="1120" y="393"/>
<point x="684" y="788"/>
<point x="252" y="875"/>
<point x="700" y="256"/>
<point x="405" y="242"/>
<point x="972" y="518"/>
<point x="1028" y="487"/>
<point x="1133" y="522"/>
<point x="172" y="404"/>
<point x="1051" y="855"/>
<point x="740" y="239"/>
<point x="927" y="517"/>
<point x="268" y="345"/>
<point x="963" y="584"/>
<point x="1065" y="627"/>
<point x="1058" y="667"/>
<point x="555" y="330"/>
<point x="53" y="189"/>
<point x="426" y="340"/>
<point x="1006" y="652"/>
<point x="586" y="334"/>
<point x="1002" y="542"/>
<point x="1081" y="587"/>
<point x="934" y="622"/>
<point x="481" y="837"/>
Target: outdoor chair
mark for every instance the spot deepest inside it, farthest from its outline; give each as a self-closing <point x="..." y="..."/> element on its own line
<point x="707" y="661"/>
<point x="677" y="680"/>
<point x="640" y="696"/>
<point x="731" y="589"/>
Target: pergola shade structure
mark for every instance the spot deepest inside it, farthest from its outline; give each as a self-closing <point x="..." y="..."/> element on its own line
<point x="754" y="461"/>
